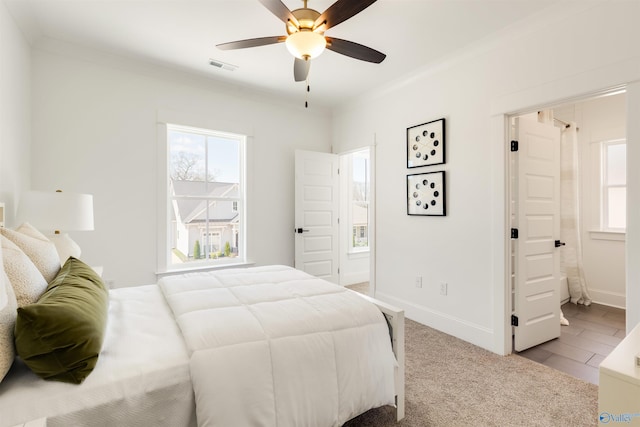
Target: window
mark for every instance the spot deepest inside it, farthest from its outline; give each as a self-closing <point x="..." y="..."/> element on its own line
<point x="206" y="196"/>
<point x="614" y="185"/>
<point x="359" y="199"/>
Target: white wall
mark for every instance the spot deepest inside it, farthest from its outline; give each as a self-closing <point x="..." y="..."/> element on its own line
<point x="633" y="206"/>
<point x="556" y="57"/>
<point x="94" y="131"/>
<point x="15" y="119"/>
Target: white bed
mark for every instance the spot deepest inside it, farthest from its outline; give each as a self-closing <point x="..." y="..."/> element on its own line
<point x="141" y="379"/>
<point x="259" y="346"/>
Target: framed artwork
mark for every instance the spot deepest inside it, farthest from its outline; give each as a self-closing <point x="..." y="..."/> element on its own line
<point x="425" y="144"/>
<point x="426" y="194"/>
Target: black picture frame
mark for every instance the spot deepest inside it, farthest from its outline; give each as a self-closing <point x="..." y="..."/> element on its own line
<point x="426" y="144"/>
<point x="426" y="194"/>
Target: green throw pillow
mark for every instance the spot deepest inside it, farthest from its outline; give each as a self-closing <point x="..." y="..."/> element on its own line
<point x="60" y="336"/>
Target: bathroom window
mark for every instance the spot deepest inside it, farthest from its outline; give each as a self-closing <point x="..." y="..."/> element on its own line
<point x="614" y="185"/>
<point x="359" y="183"/>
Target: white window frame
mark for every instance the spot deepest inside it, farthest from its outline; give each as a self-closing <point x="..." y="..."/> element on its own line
<point x="165" y="266"/>
<point x="605" y="186"/>
<point x="357" y="249"/>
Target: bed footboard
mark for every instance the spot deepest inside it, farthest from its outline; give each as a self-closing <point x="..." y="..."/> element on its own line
<point x="395" y="317"/>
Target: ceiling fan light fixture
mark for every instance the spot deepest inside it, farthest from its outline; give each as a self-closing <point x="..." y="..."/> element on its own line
<point x="306" y="44"/>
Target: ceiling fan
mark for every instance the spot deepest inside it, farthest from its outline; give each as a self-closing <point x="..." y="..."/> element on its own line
<point x="305" y="37"/>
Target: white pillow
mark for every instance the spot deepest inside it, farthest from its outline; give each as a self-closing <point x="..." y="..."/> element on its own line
<point x="38" y="248"/>
<point x="27" y="282"/>
<point x="7" y="324"/>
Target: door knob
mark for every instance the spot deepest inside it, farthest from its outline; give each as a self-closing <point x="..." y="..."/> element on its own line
<point x="300" y="230"/>
<point x="559" y="243"/>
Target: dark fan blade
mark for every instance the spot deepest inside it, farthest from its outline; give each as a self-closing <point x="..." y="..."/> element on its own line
<point x="261" y="41"/>
<point x="301" y="69"/>
<point x="354" y="50"/>
<point x="281" y="11"/>
<point x="341" y="11"/>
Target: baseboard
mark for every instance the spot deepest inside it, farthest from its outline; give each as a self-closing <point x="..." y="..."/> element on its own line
<point x="612" y="299"/>
<point x="347" y="279"/>
<point x="459" y="328"/>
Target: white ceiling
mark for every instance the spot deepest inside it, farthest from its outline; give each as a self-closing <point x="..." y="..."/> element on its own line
<point x="183" y="33"/>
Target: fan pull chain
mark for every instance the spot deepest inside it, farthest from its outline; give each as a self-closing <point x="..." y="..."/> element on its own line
<point x="306" y="102"/>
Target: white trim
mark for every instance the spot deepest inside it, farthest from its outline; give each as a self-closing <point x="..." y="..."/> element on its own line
<point x="501" y="270"/>
<point x="163" y="203"/>
<point x="604" y="182"/>
<point x="372" y="219"/>
<point x="601" y="81"/>
<point x="355" y="253"/>
<point x="353" y="278"/>
<point x="462" y="329"/>
<point x="194" y="267"/>
<point x="202" y="121"/>
<point x="347" y="252"/>
<point x="632" y="245"/>
<point x="612" y="299"/>
<point x="618" y="236"/>
<point x="196" y="123"/>
<point x="609" y="78"/>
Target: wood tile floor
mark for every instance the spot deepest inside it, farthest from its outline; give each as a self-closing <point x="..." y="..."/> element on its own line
<point x="363" y="287"/>
<point x="591" y="335"/>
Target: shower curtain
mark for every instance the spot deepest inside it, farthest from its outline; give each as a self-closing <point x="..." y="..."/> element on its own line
<point x="571" y="253"/>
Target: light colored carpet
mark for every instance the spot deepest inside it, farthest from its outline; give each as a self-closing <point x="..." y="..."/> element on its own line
<point x="450" y="382"/>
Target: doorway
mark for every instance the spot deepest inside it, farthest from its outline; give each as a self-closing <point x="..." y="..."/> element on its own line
<point x="601" y="125"/>
<point x="356" y="214"/>
<point x="335" y="216"/>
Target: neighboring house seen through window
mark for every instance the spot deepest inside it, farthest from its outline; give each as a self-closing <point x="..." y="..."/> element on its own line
<point x="206" y="195"/>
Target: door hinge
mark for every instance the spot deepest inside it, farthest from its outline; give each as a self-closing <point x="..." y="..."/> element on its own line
<point x="338" y="270"/>
<point x="514" y="233"/>
<point x="514" y="145"/>
<point x="514" y="320"/>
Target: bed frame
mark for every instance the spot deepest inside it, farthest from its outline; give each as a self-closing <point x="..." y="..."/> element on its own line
<point x="395" y="319"/>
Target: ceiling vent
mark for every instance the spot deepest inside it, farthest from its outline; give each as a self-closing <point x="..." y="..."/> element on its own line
<point x="222" y="65"/>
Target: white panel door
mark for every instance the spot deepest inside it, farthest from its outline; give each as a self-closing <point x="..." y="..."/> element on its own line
<point x="316" y="214"/>
<point x="537" y="264"/>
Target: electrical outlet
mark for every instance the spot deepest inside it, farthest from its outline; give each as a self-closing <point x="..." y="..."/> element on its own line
<point x="419" y="282"/>
<point x="443" y="288"/>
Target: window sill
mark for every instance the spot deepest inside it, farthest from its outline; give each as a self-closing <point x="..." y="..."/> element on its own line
<point x="354" y="253"/>
<point x="618" y="236"/>
<point x="202" y="267"/>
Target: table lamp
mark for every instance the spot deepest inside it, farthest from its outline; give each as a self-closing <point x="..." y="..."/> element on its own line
<point x="58" y="212"/>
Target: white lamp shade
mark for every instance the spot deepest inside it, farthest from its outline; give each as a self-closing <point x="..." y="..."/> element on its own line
<point x="306" y="44"/>
<point x="56" y="211"/>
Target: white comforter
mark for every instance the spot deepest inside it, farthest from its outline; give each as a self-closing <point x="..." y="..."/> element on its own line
<point x="142" y="377"/>
<point x="274" y="346"/>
